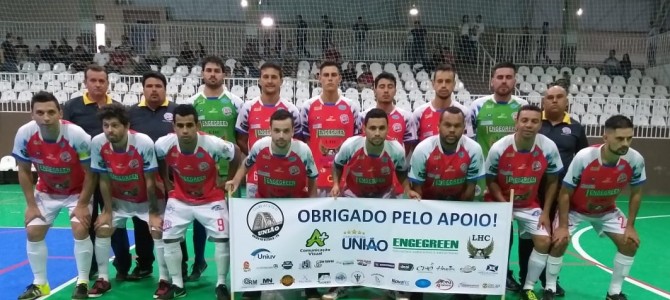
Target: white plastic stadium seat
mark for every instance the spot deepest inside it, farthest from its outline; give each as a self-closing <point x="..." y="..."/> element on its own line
<point x="546" y="79"/>
<point x="598" y="98"/>
<point x="540" y="87"/>
<point x="526" y="87"/>
<point x="538" y="71"/>
<point x="188" y="90"/>
<point x="604" y="79"/>
<point x="59" y="68"/>
<point x="617" y="90"/>
<point x="634" y="81"/>
<point x="602" y="89"/>
<point x="611" y="109"/>
<point x="253" y="92"/>
<point x="28" y="67"/>
<point x="171" y="89"/>
<point x="640" y="120"/>
<point x="238" y="91"/>
<point x="661" y="90"/>
<point x="121" y="87"/>
<point x="7" y="163"/>
<point x="594" y="72"/>
<point x="8" y="96"/>
<point x="619" y="80"/>
<point x="167" y="70"/>
<point x="25" y="96"/>
<point x="579" y="71"/>
<point x="524" y="70"/>
<point x="658" y="121"/>
<point x="532" y="79"/>
<point x="551" y="71"/>
<point x="646" y="80"/>
<point x="43" y="67"/>
<point x="636" y="73"/>
<point x="589" y="119"/>
<point x="130" y="99"/>
<point x="181" y="71"/>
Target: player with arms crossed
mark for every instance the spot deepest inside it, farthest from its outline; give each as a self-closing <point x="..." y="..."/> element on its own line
<point x="193" y="156"/>
<point x="517" y="162"/>
<point x="253" y="120"/>
<point x="286" y="169"/>
<point x="372" y="159"/>
<point x="595" y="178"/>
<point x="61" y="154"/>
<point x="328" y="120"/>
<point x="126" y="164"/>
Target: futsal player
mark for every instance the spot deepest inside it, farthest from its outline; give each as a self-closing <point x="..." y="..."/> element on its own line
<point x="518" y="162"/>
<point x="327" y="121"/>
<point x="61" y="154"/>
<point x="126" y="165"/>
<point x="371" y="159"/>
<point x="594" y="180"/>
<point x="286" y="169"/>
<point x="253" y="120"/>
<point x="193" y="156"/>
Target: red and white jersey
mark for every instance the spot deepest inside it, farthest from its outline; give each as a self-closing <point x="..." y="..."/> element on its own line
<point x="443" y="176"/>
<point x="427" y="119"/>
<point x="58" y="162"/>
<point x="370" y="176"/>
<point x="253" y="119"/>
<point x="402" y="127"/>
<point x="125" y="168"/>
<point x="597" y="185"/>
<point x="522" y="171"/>
<point x="328" y="125"/>
<point x="195" y="174"/>
<point x="282" y="176"/>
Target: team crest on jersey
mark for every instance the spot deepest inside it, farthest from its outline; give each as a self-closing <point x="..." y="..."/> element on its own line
<point x="203" y="166"/>
<point x="622" y="178"/>
<point x="385" y="170"/>
<point x="167" y="117"/>
<point x="395" y="117"/>
<point x="65" y="157"/>
<point x="397" y="127"/>
<point x="227" y="111"/>
<point x="133" y="164"/>
<point x="344" y="119"/>
<point x="342" y="107"/>
<point x="464" y="167"/>
<point x="294" y="170"/>
<point x="566" y="130"/>
<point x="536" y="166"/>
<point x="514" y="114"/>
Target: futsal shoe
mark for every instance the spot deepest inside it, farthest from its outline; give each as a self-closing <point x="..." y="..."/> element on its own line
<point x="35" y="291"/>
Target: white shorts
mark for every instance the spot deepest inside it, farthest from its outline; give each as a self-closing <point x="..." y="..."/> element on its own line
<point x="323" y="193"/>
<point x="179" y="216"/>
<point x="124" y="210"/>
<point x="527" y="219"/>
<point x="252" y="189"/>
<point x="51" y="205"/>
<point x="612" y="222"/>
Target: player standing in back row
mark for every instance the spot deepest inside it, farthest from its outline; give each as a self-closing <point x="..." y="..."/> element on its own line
<point x="253" y="120"/>
<point x="327" y="120"/>
<point x="595" y="178"/>
<point x="490" y="119"/>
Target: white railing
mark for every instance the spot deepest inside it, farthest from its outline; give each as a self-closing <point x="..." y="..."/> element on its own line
<point x="485" y="62"/>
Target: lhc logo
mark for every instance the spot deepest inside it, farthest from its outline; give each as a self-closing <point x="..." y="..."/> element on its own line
<point x="265" y="220"/>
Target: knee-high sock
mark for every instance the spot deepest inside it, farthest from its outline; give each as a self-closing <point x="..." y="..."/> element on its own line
<point x="102" y="247"/>
<point x="553" y="268"/>
<point x="222" y="257"/>
<point x="83" y="255"/>
<point x="622" y="264"/>
<point x="536" y="264"/>
<point x="37" y="256"/>
<point x="172" y="254"/>
<point x="525" y="249"/>
<point x="160" y="258"/>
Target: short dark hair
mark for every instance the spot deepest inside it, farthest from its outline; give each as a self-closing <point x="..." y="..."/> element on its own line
<point x="281" y="115"/>
<point x="445" y="68"/>
<point x="329" y="63"/>
<point x="528" y="107"/>
<point x="452" y="110"/>
<point x="503" y="65"/>
<point x="375" y="113"/>
<point x="94" y="68"/>
<point x="271" y="65"/>
<point x="154" y="74"/>
<point x="185" y="110"/>
<point x="114" y="110"/>
<point x="385" y="75"/>
<point x="44" y="97"/>
<point x="212" y="59"/>
<point x="618" y="122"/>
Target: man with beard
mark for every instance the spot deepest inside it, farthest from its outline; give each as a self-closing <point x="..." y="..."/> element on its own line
<point x="490" y="119"/>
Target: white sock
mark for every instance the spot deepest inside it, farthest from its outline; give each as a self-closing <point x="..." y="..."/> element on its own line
<point x="102" y="248"/>
<point x="553" y="268"/>
<point x="536" y="264"/>
<point x="222" y="258"/>
<point x="160" y="258"/>
<point x="622" y="264"/>
<point x="83" y="253"/>
<point x="37" y="256"/>
<point x="172" y="255"/>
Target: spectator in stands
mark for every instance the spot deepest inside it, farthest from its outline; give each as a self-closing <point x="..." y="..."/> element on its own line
<point x="418" y="43"/>
<point x="125" y="46"/>
<point x="611" y="64"/>
<point x="186" y="56"/>
<point x="202" y="53"/>
<point x="332" y="54"/>
<point x="9" y="54"/>
<point x="102" y="57"/>
<point x="49" y="54"/>
<point x="22" y="50"/>
<point x="301" y="36"/>
<point x="290" y="59"/>
<point x="65" y="52"/>
<point x="326" y="34"/>
<point x="365" y="80"/>
<point x="625" y="65"/>
<point x="278" y="42"/>
<point x="80" y="59"/>
<point x="652" y="40"/>
<point x="523" y="46"/>
<point x="250" y="56"/>
<point x="349" y="76"/>
<point x="80" y="43"/>
<point x="36" y="54"/>
<point x="464" y="28"/>
<point x="117" y="59"/>
<point x="541" y="52"/>
<point x="476" y="31"/>
<point x="239" y="71"/>
<point x="154" y="57"/>
<point x="360" y="31"/>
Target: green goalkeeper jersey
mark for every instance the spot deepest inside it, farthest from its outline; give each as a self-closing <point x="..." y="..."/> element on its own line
<point x="217" y="116"/>
<point x="490" y="120"/>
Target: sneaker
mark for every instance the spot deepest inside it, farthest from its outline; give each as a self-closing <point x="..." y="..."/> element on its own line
<point x="255" y="295"/>
<point x="529" y="295"/>
<point x="560" y="292"/>
<point x="163" y="287"/>
<point x="173" y="292"/>
<point x="35" y="291"/>
<point x="312" y="294"/>
<point x="402" y="296"/>
<point x="197" y="271"/>
<point x="139" y="273"/>
<point x="80" y="291"/>
<point x="548" y="295"/>
<point x="335" y="293"/>
<point x="619" y="296"/>
<point x="222" y="292"/>
<point x="512" y="285"/>
<point x="100" y="287"/>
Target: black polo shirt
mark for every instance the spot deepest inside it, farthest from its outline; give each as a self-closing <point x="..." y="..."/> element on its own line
<point x="84" y="112"/>
<point x="154" y="123"/>
<point x="569" y="136"/>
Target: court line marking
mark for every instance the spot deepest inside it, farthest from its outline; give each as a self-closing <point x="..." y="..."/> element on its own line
<point x="586" y="256"/>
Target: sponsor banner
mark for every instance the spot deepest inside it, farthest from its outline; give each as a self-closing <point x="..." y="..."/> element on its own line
<point x="405" y="245"/>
